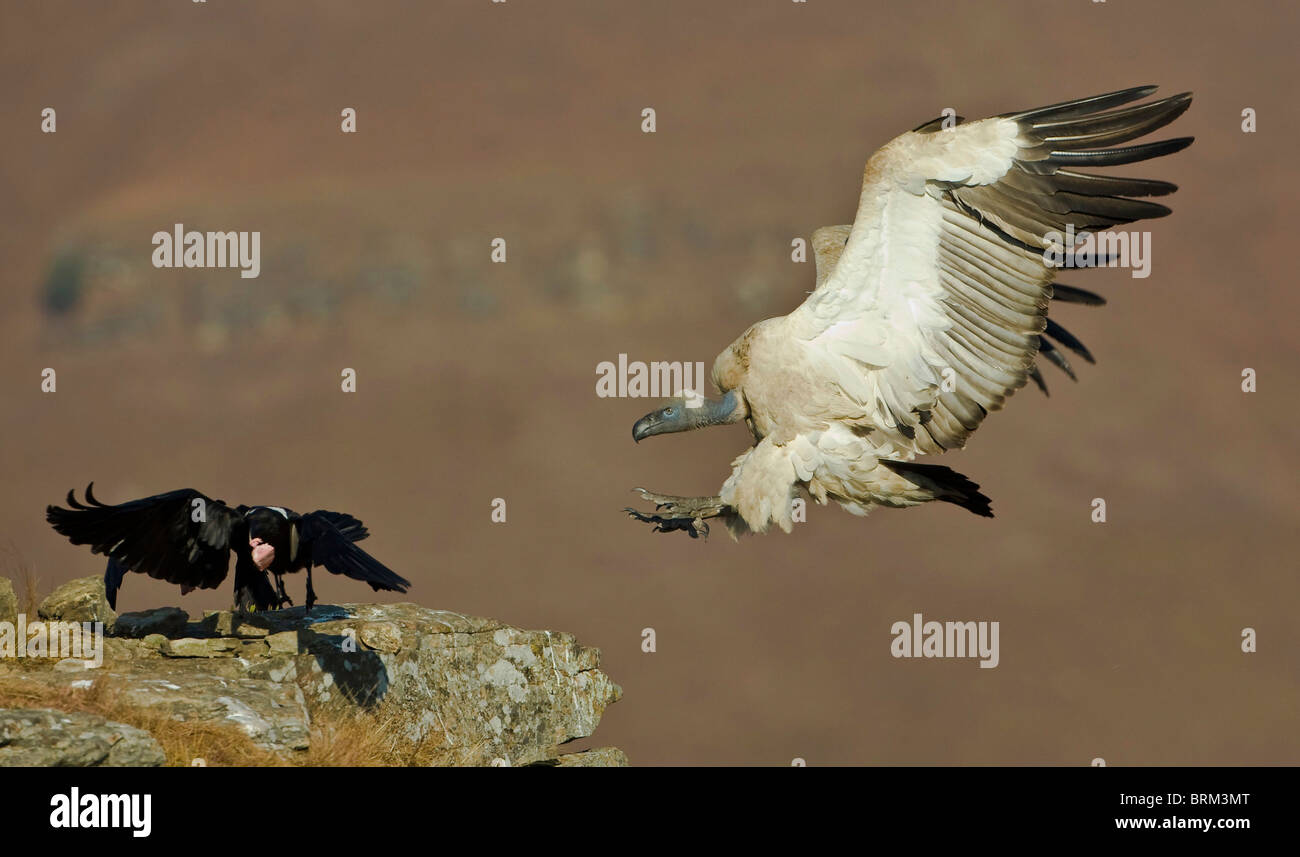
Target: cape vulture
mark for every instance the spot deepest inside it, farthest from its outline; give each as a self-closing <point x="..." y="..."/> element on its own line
<point x="928" y="312"/>
<point x="184" y="537"/>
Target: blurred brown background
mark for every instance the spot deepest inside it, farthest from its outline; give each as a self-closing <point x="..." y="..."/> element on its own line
<point x="476" y="380"/>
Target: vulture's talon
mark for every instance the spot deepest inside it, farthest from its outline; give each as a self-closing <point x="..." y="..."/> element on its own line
<point x="679" y="513"/>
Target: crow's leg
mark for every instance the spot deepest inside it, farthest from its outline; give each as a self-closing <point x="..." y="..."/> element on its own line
<point x="311" y="593"/>
<point x="680" y="513"/>
<point x="280" y="593"/>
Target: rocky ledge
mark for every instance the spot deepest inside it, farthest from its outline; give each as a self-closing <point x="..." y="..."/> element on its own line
<point x="483" y="692"/>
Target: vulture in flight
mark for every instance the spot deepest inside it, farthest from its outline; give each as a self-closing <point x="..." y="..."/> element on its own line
<point x="928" y="312"/>
<point x="184" y="537"/>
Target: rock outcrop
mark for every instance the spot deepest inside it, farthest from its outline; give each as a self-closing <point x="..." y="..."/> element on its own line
<point x="80" y="600"/>
<point x="45" y="738"/>
<point x="479" y="691"/>
<point x="167" y="621"/>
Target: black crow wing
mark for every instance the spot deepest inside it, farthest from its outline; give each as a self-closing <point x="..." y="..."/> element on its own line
<point x="333" y="548"/>
<point x="180" y="537"/>
<point x="349" y="526"/>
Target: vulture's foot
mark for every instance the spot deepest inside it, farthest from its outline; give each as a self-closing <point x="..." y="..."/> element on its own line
<point x="680" y="513"/>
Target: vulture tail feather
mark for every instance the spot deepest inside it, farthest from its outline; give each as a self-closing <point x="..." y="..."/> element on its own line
<point x="948" y="485"/>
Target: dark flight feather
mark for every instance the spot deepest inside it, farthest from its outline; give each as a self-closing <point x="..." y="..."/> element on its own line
<point x="1073" y="295"/>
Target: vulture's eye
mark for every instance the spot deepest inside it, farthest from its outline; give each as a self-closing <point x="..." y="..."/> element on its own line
<point x="668" y="412"/>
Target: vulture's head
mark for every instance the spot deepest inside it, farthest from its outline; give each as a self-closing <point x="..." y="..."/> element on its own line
<point x="683" y="415"/>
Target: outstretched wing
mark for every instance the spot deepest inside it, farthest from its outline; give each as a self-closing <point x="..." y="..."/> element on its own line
<point x="349" y="526"/>
<point x="933" y="311"/>
<point x="180" y="537"/>
<point x="333" y="548"/>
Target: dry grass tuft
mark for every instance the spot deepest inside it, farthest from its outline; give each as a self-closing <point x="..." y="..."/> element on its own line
<point x="31" y="590"/>
<point x="17" y="569"/>
<point x="183" y="742"/>
<point x="344" y="736"/>
<point x="341" y="736"/>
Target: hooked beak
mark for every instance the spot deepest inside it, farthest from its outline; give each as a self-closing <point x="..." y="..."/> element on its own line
<point x="645" y="427"/>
